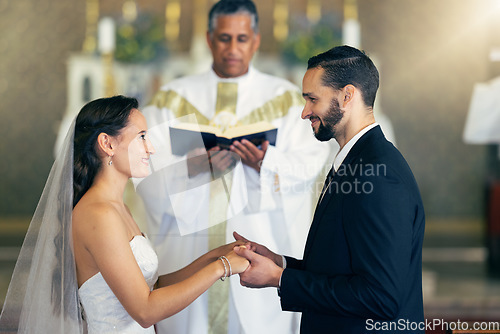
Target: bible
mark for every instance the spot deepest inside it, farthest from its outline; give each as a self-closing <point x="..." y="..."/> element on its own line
<point x="185" y="137"/>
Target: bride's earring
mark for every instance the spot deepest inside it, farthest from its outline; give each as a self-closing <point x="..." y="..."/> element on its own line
<point x="110" y="162"/>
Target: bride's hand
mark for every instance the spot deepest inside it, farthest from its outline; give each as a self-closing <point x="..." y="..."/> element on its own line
<point x="238" y="264"/>
<point x="224" y="249"/>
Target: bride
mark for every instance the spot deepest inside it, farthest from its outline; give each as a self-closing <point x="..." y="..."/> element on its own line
<point x="83" y="248"/>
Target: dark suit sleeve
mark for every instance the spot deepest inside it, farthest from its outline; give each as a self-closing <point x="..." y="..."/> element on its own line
<point x="378" y="228"/>
<point x="293" y="263"/>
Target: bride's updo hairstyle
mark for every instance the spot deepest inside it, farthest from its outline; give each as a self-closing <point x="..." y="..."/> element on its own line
<point x="107" y="115"/>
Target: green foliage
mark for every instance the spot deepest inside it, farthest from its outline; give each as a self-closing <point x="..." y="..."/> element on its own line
<point x="306" y="40"/>
<point x="140" y="41"/>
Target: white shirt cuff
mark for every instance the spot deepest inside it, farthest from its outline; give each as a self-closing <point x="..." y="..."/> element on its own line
<point x="284" y="267"/>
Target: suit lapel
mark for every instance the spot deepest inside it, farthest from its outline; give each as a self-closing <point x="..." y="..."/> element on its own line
<point x="353" y="154"/>
<point x="318" y="213"/>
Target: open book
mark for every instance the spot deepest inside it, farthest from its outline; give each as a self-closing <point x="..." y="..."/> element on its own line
<point x="187" y="136"/>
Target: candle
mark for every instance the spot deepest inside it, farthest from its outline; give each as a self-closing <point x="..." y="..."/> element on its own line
<point x="351" y="33"/>
<point x="106" y="35"/>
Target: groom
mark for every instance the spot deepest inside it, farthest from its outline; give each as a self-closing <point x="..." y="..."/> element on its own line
<point x="362" y="265"/>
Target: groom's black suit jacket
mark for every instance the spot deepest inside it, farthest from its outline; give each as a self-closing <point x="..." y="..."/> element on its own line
<point x="362" y="264"/>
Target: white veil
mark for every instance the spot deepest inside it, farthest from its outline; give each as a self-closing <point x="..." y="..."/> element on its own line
<point x="43" y="293"/>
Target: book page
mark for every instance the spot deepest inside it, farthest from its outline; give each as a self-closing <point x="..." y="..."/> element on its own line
<point x="247" y="129"/>
<point x="198" y="128"/>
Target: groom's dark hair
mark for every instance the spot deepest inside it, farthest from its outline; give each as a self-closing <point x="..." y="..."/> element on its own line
<point x="346" y="65"/>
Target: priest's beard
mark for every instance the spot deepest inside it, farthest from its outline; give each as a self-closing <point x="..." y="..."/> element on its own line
<point x="327" y="123"/>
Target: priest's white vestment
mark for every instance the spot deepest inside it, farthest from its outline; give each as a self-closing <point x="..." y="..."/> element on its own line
<point x="273" y="208"/>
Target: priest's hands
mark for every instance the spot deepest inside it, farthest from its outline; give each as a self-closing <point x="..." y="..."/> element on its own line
<point x="250" y="154"/>
<point x="265" y="267"/>
<point x="215" y="160"/>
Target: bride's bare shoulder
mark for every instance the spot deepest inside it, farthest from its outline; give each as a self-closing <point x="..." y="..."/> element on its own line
<point x="96" y="216"/>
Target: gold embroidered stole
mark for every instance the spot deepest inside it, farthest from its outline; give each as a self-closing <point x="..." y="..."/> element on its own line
<point x="220" y="189"/>
<point x="269" y="111"/>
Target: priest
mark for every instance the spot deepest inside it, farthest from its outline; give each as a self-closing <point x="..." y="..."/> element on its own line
<point x="195" y="202"/>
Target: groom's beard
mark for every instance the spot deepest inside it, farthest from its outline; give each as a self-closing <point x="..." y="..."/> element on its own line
<point x="326" y="126"/>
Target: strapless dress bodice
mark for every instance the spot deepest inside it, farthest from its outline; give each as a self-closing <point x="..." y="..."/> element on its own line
<point x="103" y="311"/>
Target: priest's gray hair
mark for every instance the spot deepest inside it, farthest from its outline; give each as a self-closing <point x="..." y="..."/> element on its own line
<point x="233" y="7"/>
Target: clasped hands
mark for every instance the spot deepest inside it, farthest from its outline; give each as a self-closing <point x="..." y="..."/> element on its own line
<point x="265" y="267"/>
<point x="257" y="266"/>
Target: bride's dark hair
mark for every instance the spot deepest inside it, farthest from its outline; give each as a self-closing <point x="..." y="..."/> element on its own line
<point x="45" y="272"/>
<point x="108" y="115"/>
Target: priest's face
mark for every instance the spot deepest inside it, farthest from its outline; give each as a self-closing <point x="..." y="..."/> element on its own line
<point x="233" y="44"/>
<point x="322" y="105"/>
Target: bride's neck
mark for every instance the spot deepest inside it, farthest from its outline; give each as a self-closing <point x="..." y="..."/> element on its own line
<point x="110" y="184"/>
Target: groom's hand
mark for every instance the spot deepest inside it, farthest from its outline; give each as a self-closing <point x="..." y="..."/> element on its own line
<point x="260" y="249"/>
<point x="262" y="271"/>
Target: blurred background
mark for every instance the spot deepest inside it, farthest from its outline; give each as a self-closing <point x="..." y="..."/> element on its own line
<point x="438" y="62"/>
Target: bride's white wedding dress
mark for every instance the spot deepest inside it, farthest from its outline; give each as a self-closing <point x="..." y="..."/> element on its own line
<point x="103" y="311"/>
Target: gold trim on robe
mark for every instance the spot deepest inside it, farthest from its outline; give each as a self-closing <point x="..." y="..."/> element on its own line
<point x="179" y="106"/>
<point x="275" y="108"/>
